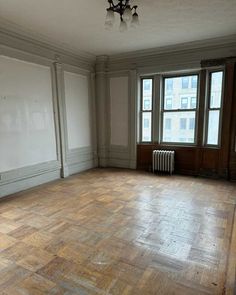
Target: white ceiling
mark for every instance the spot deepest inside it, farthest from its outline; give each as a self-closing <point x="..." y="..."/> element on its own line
<point x="78" y="25"/>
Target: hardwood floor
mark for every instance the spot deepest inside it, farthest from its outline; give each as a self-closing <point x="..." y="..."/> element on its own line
<point x="110" y="231"/>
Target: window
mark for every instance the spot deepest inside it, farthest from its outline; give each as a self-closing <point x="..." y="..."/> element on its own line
<point x="169" y="84"/>
<point x="146" y="123"/>
<point x="183" y="123"/>
<point x="180" y="112"/>
<point x="191" y="123"/>
<point x="215" y="82"/>
<point x="194" y="82"/>
<point x="184" y="102"/>
<point x="147" y="104"/>
<point x="168" y="103"/>
<point x="167" y="124"/>
<point x="146" y="109"/>
<point x="185" y="82"/>
<point x="147" y="85"/>
<point x="193" y="102"/>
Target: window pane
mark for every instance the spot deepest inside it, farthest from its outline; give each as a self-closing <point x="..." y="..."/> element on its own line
<point x="147" y="94"/>
<point x="182" y="95"/>
<point x="147" y="126"/>
<point x="213" y="127"/>
<point x="179" y="130"/>
<point x="216" y="89"/>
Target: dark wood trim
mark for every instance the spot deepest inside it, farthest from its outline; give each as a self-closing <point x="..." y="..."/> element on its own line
<point x="232" y="147"/>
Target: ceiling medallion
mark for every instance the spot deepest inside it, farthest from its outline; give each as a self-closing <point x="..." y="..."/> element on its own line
<point x="127" y="14"/>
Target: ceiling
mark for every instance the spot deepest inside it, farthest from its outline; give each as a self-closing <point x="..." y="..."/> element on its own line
<point x="78" y="25"/>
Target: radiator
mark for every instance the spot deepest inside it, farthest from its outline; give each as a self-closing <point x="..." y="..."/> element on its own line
<point x="163" y="161"/>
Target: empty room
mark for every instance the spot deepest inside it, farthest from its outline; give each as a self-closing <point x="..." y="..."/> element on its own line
<point x="117" y="147"/>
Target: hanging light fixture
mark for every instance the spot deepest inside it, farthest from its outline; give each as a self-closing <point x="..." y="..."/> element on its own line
<point x="128" y="14"/>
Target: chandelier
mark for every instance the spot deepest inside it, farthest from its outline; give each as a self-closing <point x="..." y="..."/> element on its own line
<point x="127" y="14"/>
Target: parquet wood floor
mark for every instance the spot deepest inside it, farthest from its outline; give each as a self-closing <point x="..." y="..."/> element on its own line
<point x="112" y="231"/>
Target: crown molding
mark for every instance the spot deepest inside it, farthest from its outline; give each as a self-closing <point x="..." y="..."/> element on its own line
<point x="182" y="55"/>
<point x="220" y="42"/>
<point x="15" y="37"/>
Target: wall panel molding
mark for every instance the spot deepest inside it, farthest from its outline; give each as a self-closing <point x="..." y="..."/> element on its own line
<point x="84" y="157"/>
<point x="28" y="50"/>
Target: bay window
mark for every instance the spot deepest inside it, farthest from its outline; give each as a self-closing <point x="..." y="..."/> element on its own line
<point x="169" y="115"/>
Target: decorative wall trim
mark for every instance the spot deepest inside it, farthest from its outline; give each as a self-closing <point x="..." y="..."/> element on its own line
<point x="118" y="162"/>
<point x="39" y="46"/>
<point x="187" y="47"/>
<point x="29" y="50"/>
<point x="61" y="115"/>
<point x="28" y="171"/>
<point x="79" y="167"/>
<point x="27" y="177"/>
<point x="102" y="110"/>
<point x="81" y="160"/>
<point x="182" y="56"/>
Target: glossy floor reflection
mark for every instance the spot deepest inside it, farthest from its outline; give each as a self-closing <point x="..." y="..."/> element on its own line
<point x="111" y="231"/>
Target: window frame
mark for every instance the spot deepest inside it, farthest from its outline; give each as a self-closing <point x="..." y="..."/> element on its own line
<point x="146" y="111"/>
<point x="162" y="110"/>
<point x="208" y="108"/>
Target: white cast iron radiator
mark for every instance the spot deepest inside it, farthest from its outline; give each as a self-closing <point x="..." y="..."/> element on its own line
<point x="163" y="161"/>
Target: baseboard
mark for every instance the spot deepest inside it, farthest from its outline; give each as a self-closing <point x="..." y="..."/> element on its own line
<point x="81" y="159"/>
<point x="29" y="182"/>
<point x="119" y="163"/>
<point x="81" y="166"/>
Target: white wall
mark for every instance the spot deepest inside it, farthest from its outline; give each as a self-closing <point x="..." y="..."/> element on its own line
<point x="79" y="121"/>
<point x="119" y="104"/>
<point x="27" y="129"/>
<point x="78" y="110"/>
<point x="35" y="144"/>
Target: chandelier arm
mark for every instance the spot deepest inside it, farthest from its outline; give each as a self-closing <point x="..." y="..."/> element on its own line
<point x="134" y="7"/>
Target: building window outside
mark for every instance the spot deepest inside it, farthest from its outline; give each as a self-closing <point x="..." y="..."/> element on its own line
<point x="168" y="124"/>
<point x="184" y="102"/>
<point x="194" y="82"/>
<point x="183" y="123"/>
<point x="146" y="123"/>
<point x="147" y="104"/>
<point x="193" y="102"/>
<point x="185" y="82"/>
<point x="191" y="123"/>
<point x="169" y="84"/>
<point x="169" y="103"/>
